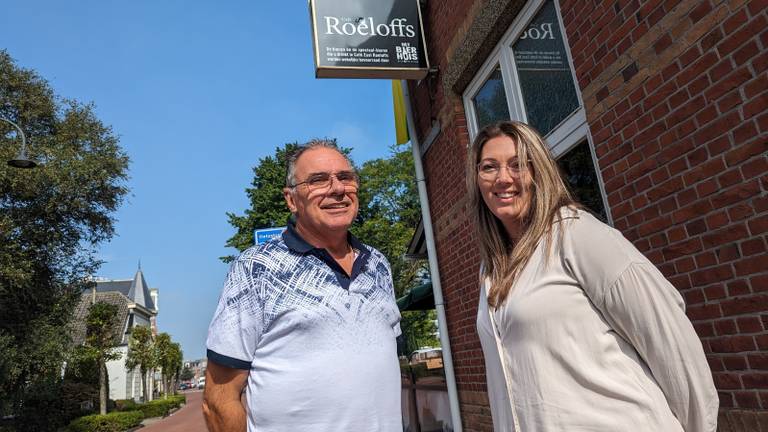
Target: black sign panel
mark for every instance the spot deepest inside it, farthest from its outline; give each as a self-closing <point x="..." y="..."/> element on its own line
<point x="368" y="39"/>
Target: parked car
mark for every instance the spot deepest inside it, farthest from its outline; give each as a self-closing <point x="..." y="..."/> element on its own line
<point x="201" y="383"/>
<point x="433" y="357"/>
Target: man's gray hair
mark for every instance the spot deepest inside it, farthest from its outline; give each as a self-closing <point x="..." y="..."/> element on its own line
<point x="290" y="178"/>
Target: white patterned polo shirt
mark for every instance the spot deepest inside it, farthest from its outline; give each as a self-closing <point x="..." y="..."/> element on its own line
<point x="319" y="344"/>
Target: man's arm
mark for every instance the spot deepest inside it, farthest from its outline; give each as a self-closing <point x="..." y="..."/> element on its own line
<point x="222" y="408"/>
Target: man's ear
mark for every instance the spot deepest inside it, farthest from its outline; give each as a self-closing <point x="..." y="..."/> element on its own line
<point x="288" y="195"/>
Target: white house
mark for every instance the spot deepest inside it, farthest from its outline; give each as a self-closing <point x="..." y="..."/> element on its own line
<point x="137" y="306"/>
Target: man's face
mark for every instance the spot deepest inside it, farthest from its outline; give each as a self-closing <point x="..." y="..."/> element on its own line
<point x="321" y="211"/>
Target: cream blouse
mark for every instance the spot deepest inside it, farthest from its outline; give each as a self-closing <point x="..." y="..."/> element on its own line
<point x="594" y="339"/>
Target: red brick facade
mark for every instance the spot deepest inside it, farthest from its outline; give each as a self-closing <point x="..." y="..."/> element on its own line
<point x="676" y="97"/>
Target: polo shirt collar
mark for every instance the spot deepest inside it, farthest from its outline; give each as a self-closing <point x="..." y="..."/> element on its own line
<point x="296" y="243"/>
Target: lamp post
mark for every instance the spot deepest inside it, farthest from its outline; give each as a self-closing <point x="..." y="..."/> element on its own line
<point x="21" y="160"/>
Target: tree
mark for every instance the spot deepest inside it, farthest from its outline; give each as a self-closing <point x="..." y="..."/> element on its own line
<point x="389" y="214"/>
<point x="141" y="355"/>
<point x="100" y="343"/>
<point x="268" y="207"/>
<point x="169" y="358"/>
<point x="176" y="362"/>
<point x="186" y="374"/>
<point x="52" y="218"/>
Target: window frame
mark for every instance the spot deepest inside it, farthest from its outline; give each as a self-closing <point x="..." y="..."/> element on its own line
<point x="571" y="131"/>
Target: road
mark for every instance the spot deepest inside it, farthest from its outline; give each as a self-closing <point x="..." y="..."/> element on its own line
<point x="187" y="419"/>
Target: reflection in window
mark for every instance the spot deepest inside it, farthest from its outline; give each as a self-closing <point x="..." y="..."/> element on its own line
<point x="491" y="101"/>
<point x="579" y="173"/>
<point x="544" y="72"/>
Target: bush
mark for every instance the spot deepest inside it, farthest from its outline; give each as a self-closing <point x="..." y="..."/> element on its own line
<point x="179" y="400"/>
<point x="60" y="402"/>
<point x="157" y="408"/>
<point x="112" y="422"/>
<point x="126" y="405"/>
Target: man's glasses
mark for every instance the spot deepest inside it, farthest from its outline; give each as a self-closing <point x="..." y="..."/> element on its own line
<point x="323" y="180"/>
<point x="490" y="170"/>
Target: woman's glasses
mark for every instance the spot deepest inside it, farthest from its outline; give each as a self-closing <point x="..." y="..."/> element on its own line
<point x="490" y="170"/>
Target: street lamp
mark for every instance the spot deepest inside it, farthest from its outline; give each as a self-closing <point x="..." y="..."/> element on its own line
<point x="21" y="160"/>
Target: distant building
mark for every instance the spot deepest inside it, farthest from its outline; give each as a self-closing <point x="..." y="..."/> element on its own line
<point x="198" y="367"/>
<point x="137" y="306"/>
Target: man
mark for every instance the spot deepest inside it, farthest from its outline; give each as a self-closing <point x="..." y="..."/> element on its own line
<point x="308" y="320"/>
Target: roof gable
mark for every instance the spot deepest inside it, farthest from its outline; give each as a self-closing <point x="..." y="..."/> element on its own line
<point x="139" y="291"/>
<point x="121" y="286"/>
<point x="78" y="322"/>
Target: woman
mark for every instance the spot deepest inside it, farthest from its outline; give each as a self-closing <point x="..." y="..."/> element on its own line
<point x="580" y="331"/>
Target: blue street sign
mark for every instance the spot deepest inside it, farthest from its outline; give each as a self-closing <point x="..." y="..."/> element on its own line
<point x="266" y="234"/>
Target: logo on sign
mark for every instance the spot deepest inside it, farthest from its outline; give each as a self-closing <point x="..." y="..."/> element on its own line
<point x="368" y="27"/>
<point x="406" y="52"/>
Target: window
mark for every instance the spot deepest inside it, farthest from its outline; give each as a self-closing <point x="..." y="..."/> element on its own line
<point x="490" y="102"/>
<point x="543" y="71"/>
<point x="579" y="172"/>
<point x="529" y="77"/>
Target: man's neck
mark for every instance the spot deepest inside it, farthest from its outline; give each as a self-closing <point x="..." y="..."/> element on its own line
<point x="334" y="242"/>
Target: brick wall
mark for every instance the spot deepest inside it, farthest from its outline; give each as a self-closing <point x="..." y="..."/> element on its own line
<point x="676" y="95"/>
<point x="444" y="165"/>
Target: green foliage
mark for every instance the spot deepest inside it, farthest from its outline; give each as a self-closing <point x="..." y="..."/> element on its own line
<point x="155" y="408"/>
<point x="126" y="405"/>
<point x="159" y="407"/>
<point x="179" y="399"/>
<point x="419" y="330"/>
<point x="81" y="367"/>
<point x="141" y="354"/>
<point x="101" y="343"/>
<point x="186" y="374"/>
<point x="112" y="422"/>
<point x="50" y="405"/>
<point x="390" y="212"/>
<point x="51" y="220"/>
<point x="100" y="331"/>
<point x="169" y="358"/>
<point x="141" y="349"/>
<point x="268" y="207"/>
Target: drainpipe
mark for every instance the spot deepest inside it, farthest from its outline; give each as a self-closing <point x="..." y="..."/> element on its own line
<point x="437" y="290"/>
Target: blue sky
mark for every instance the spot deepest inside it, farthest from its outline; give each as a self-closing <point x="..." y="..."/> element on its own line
<point x="197" y="91"/>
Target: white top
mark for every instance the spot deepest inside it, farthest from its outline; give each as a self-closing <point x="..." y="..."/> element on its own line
<point x="594" y="340"/>
<point x="320" y="346"/>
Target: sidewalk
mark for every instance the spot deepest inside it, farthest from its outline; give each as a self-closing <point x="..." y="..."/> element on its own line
<point x="187" y="419"/>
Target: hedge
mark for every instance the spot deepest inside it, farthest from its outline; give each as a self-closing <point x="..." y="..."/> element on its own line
<point x="159" y="407"/>
<point x="180" y="397"/>
<point x="126" y="405"/>
<point x="112" y="422"/>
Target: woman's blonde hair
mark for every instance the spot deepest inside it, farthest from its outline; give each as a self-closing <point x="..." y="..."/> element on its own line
<point x="503" y="257"/>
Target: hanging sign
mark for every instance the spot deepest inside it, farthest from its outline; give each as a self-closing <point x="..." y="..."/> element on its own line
<point x="368" y="39"/>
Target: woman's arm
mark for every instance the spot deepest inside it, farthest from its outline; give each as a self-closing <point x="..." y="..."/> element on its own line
<point x="645" y="309"/>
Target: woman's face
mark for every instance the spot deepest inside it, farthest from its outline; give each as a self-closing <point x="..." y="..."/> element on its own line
<point x="504" y="184"/>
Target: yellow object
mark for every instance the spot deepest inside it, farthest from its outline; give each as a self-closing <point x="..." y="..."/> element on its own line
<point x="401" y="121"/>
